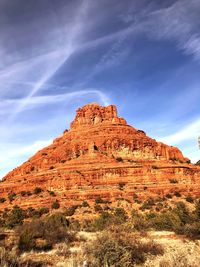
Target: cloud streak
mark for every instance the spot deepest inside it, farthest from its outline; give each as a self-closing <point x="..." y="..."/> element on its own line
<point x="189" y="132"/>
<point x="7" y="105"/>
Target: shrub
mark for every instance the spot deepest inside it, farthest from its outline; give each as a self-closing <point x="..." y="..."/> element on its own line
<point x="173" y="181"/>
<point x="197" y="209"/>
<point x="148" y="204"/>
<point x="55" y="205"/>
<point x="165" y="221"/>
<point x="85" y="204"/>
<point x="15" y="217"/>
<point x="182" y="212"/>
<point x="75" y="225"/>
<point x="2" y="200"/>
<point x="8" y="259"/>
<point x="99" y="200"/>
<point x="11" y="196"/>
<point x="180" y="259"/>
<point x="98" y="208"/>
<point x="119" y="250"/>
<point x="37" y="190"/>
<point x="25" y="193"/>
<point x="189" y="199"/>
<point x="154" y="167"/>
<point x="177" y="194"/>
<point x="32" y="168"/>
<point x="71" y="210"/>
<point x="192" y="230"/>
<point x="42" y="234"/>
<point x="43" y="210"/>
<point x="135" y="196"/>
<point x="119" y="159"/>
<point x="52" y="193"/>
<point x="101" y="223"/>
<point x="120" y="215"/>
<point x="121" y="185"/>
<point x="169" y="195"/>
<point x="51" y="167"/>
<point x="140" y="221"/>
<point x="30" y="212"/>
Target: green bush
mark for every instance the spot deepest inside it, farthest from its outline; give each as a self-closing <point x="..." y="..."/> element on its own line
<point x="177" y="194"/>
<point x="135" y="196"/>
<point x="103" y="222"/>
<point x="148" y="204"/>
<point x="85" y="204"/>
<point x="192" y="230"/>
<point x="140" y="221"/>
<point x="183" y="213"/>
<point x="15" y="217"/>
<point x="173" y="181"/>
<point x="197" y="209"/>
<point x="11" y="196"/>
<point x="42" y="234"/>
<point x="2" y="200"/>
<point x="121" y="185"/>
<point x="120" y="216"/>
<point x="165" y="221"/>
<point x="111" y="249"/>
<point x="189" y="199"/>
<point x="43" y="210"/>
<point x="119" y="159"/>
<point x="37" y="190"/>
<point x="71" y="210"/>
<point x="98" y="208"/>
<point x="52" y="193"/>
<point x="99" y="200"/>
<point x="55" y="205"/>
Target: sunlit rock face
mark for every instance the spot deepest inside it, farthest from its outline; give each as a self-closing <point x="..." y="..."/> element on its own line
<point x="94" y="114"/>
<point x="99" y="152"/>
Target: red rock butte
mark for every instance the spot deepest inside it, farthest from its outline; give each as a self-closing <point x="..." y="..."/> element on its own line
<point x="101" y="155"/>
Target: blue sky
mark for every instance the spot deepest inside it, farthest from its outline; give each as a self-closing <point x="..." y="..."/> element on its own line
<point x="143" y="56"/>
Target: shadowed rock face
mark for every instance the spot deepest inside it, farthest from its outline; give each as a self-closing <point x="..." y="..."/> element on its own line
<point x="99" y="152"/>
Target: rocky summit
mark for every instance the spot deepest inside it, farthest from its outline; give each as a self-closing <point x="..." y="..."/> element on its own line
<point x="99" y="156"/>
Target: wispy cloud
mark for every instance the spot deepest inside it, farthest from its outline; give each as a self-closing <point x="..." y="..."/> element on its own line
<point x="62" y="57"/>
<point x="189" y="132"/>
<point x="14" y="154"/>
<point x="7" y="105"/>
<point x="179" y="23"/>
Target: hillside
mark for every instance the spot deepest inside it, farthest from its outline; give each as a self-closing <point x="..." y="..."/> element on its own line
<point x="99" y="156"/>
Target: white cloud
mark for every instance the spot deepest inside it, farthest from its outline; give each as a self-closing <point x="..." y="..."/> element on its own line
<point x="178" y="23"/>
<point x="189" y="132"/>
<point x="14" y="154"/>
<point x="7" y="105"/>
<point x="187" y="139"/>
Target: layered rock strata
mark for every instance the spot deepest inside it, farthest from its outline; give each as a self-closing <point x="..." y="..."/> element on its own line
<point x="101" y="155"/>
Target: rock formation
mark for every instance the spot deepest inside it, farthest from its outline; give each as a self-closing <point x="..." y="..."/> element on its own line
<point x="101" y="155"/>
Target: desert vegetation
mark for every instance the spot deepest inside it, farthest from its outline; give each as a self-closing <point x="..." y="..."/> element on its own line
<point x="119" y="231"/>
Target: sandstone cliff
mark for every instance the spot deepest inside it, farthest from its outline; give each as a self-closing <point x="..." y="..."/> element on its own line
<point x="101" y="155"/>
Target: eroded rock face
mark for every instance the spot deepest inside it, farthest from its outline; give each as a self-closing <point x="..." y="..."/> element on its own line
<point x="100" y="151"/>
<point x="93" y="114"/>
